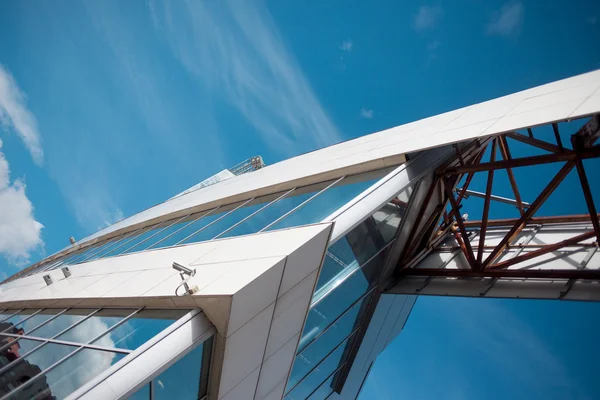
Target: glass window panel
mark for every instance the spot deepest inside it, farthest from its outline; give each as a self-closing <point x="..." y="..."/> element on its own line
<point x="221" y="224"/>
<point x="17" y="348"/>
<point x="270" y="214"/>
<point x="114" y="245"/>
<point x="60" y="323"/>
<point x="5" y="315"/>
<point x="318" y="375"/>
<point x="132" y="240"/>
<point x="339" y="257"/>
<point x="141" y="240"/>
<point x="139" y="329"/>
<point x="15" y="319"/>
<point x="168" y="385"/>
<point x="25" y="368"/>
<point x="94" y="326"/>
<point x="68" y="259"/>
<point x="322" y="314"/>
<point x="188" y="229"/>
<point x="142" y="394"/>
<point x="325" y="204"/>
<point x="36" y="320"/>
<point x="324" y="390"/>
<point x="93" y="250"/>
<point x="314" y="352"/>
<point x="85" y="253"/>
<point x="166" y="233"/>
<point x="75" y="372"/>
<point x="96" y="251"/>
<point x="362" y="242"/>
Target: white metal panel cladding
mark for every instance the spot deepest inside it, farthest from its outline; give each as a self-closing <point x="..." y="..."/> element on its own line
<point x="561" y="100"/>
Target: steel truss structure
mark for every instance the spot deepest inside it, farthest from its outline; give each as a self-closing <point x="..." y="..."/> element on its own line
<point x="439" y="216"/>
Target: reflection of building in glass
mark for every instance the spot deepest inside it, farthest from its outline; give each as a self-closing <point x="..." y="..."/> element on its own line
<point x="292" y="278"/>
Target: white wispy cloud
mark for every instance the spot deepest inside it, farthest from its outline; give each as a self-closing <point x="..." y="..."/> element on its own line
<point x="94" y="157"/>
<point x="20" y="232"/>
<point x="507" y="21"/>
<point x="84" y="366"/>
<point x="427" y="17"/>
<point x="15" y="115"/>
<point x="366" y="113"/>
<point x="433" y="45"/>
<point x="346" y="46"/>
<point x="234" y="49"/>
<point x="432" y="49"/>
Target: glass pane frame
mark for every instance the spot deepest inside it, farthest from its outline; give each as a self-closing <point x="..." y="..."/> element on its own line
<point x="156" y="356"/>
<point x="126" y="243"/>
<point x="126" y="315"/>
<point x="386" y="222"/>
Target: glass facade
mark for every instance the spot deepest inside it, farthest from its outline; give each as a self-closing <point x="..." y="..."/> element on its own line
<point x="187" y="379"/>
<point x="298" y="206"/>
<point x="50" y="353"/>
<point x="350" y="273"/>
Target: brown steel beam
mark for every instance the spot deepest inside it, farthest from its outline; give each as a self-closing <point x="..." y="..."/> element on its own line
<point x="530" y="140"/>
<point x="505" y="150"/>
<point x="585" y="186"/>
<point x="590" y="274"/>
<point x="590" y="132"/>
<point x="544" y="250"/>
<point x="463" y="191"/>
<point x="427" y="226"/>
<point x="486" y="205"/>
<point x="526" y="161"/>
<point x="535" y="220"/>
<point x="578" y="145"/>
<point x="530" y="133"/>
<point x="458" y="155"/>
<point x="557" y="136"/>
<point x="520" y="224"/>
<point x="470" y="176"/>
<point x="465" y="238"/>
<point x="513" y="246"/>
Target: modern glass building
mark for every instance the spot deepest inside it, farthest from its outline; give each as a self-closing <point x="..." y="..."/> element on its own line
<point x="286" y="282"/>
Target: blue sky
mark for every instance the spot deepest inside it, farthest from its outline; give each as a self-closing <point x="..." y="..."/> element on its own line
<point x="110" y="107"/>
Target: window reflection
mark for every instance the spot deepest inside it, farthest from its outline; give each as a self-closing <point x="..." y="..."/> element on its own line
<point x="321" y="372"/>
<point x="78" y="370"/>
<point x="217" y="224"/>
<point x="351" y="267"/>
<point x="20" y="316"/>
<point x="271" y="213"/>
<point x="33" y="322"/>
<point x="94" y="326"/>
<point x="182" y="380"/>
<point x="168" y="232"/>
<point x="335" y="303"/>
<point x="315" y="351"/>
<point x="60" y="323"/>
<point x="139" y="329"/>
<point x="34" y="366"/>
<point x="141" y="241"/>
<point x="326" y="203"/>
<point x="189" y="229"/>
<point x="23" y="370"/>
<point x="142" y="394"/>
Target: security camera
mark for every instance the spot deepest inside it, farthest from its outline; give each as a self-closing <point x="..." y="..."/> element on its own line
<point x="184" y="281"/>
<point x="184" y="270"/>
